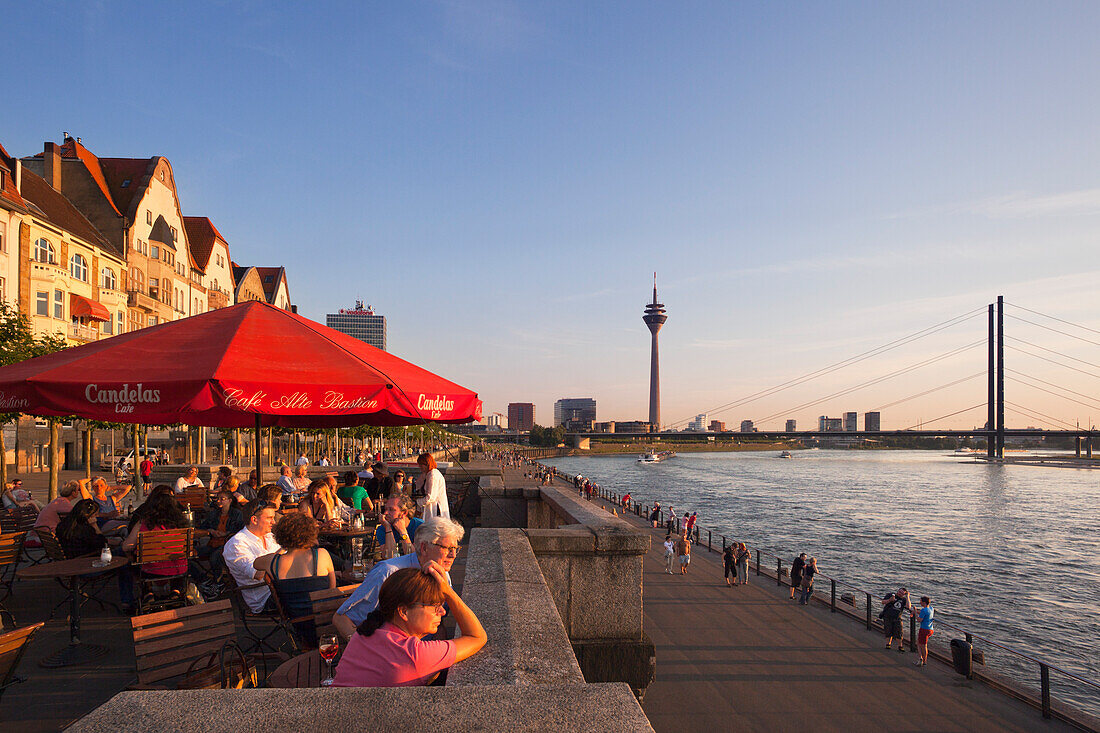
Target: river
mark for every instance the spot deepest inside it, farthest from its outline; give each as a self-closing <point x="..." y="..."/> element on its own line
<point x="1007" y="551"/>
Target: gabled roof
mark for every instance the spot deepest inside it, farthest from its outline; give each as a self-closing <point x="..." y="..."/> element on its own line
<point x="57" y="210"/>
<point x="125" y="177"/>
<point x="270" y="277"/>
<point x="73" y="150"/>
<point x="201" y="234"/>
<point x="9" y="194"/>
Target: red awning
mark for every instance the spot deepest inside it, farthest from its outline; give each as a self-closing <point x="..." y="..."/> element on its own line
<point x="81" y="307"/>
<point x="229" y="368"/>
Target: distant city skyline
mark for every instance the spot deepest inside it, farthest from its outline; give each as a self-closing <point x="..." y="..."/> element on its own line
<point x="502" y="179"/>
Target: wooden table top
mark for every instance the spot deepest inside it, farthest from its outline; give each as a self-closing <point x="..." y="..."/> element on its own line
<point x="303" y="670"/>
<point x="69" y="568"/>
<point x="345" y="532"/>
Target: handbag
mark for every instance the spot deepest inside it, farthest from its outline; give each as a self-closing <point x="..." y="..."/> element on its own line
<point x="219" y="673"/>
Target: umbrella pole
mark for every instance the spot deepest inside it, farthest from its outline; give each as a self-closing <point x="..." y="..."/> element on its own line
<point x="256" y="448"/>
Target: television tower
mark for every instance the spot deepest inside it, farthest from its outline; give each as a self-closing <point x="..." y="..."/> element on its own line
<point x="654" y="318"/>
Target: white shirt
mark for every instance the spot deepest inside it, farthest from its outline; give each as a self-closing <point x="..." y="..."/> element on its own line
<point x="302" y="461"/>
<point x="670" y="547"/>
<point x="183" y="482"/>
<point x="434" y="500"/>
<point x="239" y="553"/>
<point x="325" y="462"/>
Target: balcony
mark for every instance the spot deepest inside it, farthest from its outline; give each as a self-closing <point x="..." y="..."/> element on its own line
<point x="138" y="299"/>
<point x="217" y="299"/>
<point x="79" y="332"/>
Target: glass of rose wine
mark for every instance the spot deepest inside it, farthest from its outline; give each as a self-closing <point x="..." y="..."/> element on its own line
<point x="329" y="648"/>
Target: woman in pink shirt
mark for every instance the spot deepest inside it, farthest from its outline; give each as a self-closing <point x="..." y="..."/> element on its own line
<point x="387" y="650"/>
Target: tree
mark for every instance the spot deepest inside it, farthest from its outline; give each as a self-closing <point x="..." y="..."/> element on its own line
<point x="547" y="437"/>
<point x="18" y="343"/>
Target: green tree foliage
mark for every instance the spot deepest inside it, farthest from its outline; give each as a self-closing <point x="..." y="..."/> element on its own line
<point x="547" y="437"/>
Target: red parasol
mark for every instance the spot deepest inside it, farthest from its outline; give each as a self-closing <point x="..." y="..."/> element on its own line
<point x="248" y="365"/>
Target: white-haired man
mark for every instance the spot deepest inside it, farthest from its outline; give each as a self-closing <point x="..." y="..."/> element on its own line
<point x="436" y="541"/>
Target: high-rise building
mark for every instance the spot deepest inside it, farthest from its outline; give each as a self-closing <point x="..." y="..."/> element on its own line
<point x="521" y="416"/>
<point x="574" y="408"/>
<point x="494" y="420"/>
<point x="871" y="421"/>
<point x="698" y="424"/>
<point x="829" y="424"/>
<point x="717" y="426"/>
<point x="361" y="323"/>
<point x="746" y="426"/>
<point x="851" y="420"/>
<point x="654" y="318"/>
<point x="791" y="426"/>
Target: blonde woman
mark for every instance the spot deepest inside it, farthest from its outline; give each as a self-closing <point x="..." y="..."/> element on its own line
<point x="808" y="573"/>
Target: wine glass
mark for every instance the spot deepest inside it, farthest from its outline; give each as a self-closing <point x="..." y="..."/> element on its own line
<point x="329" y="648"/>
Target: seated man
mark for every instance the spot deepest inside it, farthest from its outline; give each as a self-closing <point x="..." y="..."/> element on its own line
<point x="191" y="478"/>
<point x="15" y="495"/>
<point x="246" y="492"/>
<point x="69" y="494"/>
<point x="286" y="482"/>
<point x="242" y="549"/>
<point x="396" y="525"/>
<point x="353" y="494"/>
<point x="436" y="540"/>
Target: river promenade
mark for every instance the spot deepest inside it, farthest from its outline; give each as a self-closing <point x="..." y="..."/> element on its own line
<point x="746" y="658"/>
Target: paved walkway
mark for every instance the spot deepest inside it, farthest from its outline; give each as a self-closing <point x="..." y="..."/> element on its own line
<point x="746" y="658"/>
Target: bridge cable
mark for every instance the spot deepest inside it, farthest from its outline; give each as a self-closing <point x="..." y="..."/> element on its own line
<point x="1056" y="386"/>
<point x="1054" y="318"/>
<point x="1027" y="412"/>
<point x="944" y="417"/>
<point x="1052" y="351"/>
<point x="930" y="391"/>
<point x="1064" y="366"/>
<point x="874" y="381"/>
<point x="1055" y="330"/>
<point x="840" y="364"/>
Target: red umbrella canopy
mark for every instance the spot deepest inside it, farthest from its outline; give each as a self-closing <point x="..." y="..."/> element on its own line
<point x="222" y="368"/>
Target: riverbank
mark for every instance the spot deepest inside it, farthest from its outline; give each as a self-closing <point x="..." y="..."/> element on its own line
<point x="618" y="449"/>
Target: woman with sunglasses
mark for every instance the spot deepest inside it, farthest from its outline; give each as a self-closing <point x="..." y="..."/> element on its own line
<point x="387" y="649"/>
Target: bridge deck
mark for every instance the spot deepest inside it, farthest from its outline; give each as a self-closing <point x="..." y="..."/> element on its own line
<point x="746" y="658"/>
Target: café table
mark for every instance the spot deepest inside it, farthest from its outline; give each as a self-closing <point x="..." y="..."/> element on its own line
<point x="73" y="574"/>
<point x="303" y="670"/>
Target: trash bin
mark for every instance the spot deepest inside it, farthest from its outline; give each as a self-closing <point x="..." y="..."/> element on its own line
<point x="961" y="656"/>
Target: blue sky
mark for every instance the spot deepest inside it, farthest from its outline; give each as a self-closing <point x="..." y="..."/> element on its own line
<point x="500" y="179"/>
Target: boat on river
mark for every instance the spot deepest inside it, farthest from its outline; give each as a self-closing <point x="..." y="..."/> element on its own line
<point x="785" y="454"/>
<point x="655" y="456"/>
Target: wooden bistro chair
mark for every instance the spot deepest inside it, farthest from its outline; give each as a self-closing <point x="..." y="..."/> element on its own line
<point x="21" y="519"/>
<point x="11" y="547"/>
<point x="325" y="604"/>
<point x="268" y="632"/>
<point x="194" y="497"/>
<point x="160" y="546"/>
<point x="170" y="644"/>
<point x="12" y="646"/>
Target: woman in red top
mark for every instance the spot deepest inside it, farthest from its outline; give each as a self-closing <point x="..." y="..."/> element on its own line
<point x="162" y="513"/>
<point x="387" y="649"/>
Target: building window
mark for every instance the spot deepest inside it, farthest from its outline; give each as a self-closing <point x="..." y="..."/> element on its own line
<point x="174" y="233"/>
<point x="108" y="325"/>
<point x="153" y="320"/>
<point x="43" y="251"/>
<point x="3" y="289"/>
<point x="78" y="267"/>
<point x="154" y="252"/>
<point x="42" y="303"/>
<point x="137" y="244"/>
<point x="118" y="321"/>
<point x="3" y="237"/>
<point x="149" y="217"/>
<point x="108" y="279"/>
<point x="58" y="304"/>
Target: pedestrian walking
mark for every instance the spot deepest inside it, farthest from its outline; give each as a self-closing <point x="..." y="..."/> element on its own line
<point x="796" y="573"/>
<point x="893" y="606"/>
<point x="683" y="549"/>
<point x="670" y="553"/>
<point x="808" y="573"/>
<point x="925" y="615"/>
<point x="742" y="559"/>
<point x="729" y="560"/>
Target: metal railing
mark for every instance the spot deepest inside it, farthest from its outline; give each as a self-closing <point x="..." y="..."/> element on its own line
<point x="1080" y="719"/>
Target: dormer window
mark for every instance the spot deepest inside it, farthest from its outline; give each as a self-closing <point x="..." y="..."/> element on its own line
<point x="126" y="183"/>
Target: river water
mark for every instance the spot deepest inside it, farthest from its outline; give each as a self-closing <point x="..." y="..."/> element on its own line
<point x="1008" y="552"/>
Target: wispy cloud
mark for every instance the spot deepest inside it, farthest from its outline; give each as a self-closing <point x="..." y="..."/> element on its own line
<point x="1018" y="205"/>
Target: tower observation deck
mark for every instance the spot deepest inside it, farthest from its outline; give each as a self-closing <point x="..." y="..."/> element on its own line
<point x="654" y="318"/>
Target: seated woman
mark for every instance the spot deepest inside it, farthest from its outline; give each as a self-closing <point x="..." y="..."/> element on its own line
<point x="161" y="512"/>
<point x="320" y="503"/>
<point x="301" y="480"/>
<point x="298" y="569"/>
<point x="387" y="651"/>
<point x="78" y="532"/>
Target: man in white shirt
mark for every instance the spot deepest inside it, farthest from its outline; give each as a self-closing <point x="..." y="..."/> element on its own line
<point x="242" y="549"/>
<point x="187" y="481"/>
<point x="302" y="460"/>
